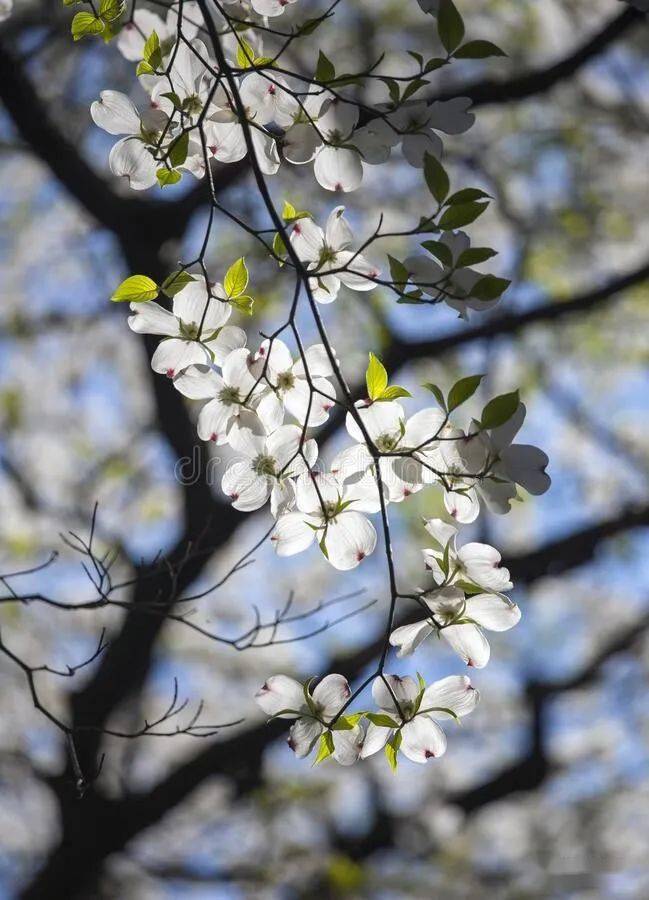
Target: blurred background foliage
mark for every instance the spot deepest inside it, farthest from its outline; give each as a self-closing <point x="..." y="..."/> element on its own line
<point x="545" y="792"/>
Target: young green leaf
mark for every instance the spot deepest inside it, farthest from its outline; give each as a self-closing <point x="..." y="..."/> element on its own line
<point x="499" y="410"/>
<point x="325" y="70"/>
<point x="462" y="390"/>
<point x="111" y="10"/>
<point x="461" y="214"/>
<point x="382" y="720"/>
<point x="440" y="251"/>
<point x="393" y="392"/>
<point x="176" y="282"/>
<point x="398" y="272"/>
<point x="244" y="304"/>
<point x="167" y="176"/>
<point x="478" y="50"/>
<point x="391" y="750"/>
<point x="436" y="177"/>
<point x="136" y="289"/>
<point x="489" y="287"/>
<point x="436" y="392"/>
<point x="449" y="25"/>
<point x="466" y="195"/>
<point x="376" y="378"/>
<point x="325" y="749"/>
<point x="236" y="278"/>
<point x="178" y="149"/>
<point x="84" y="23"/>
<point x="245" y="54"/>
<point x="474" y="256"/>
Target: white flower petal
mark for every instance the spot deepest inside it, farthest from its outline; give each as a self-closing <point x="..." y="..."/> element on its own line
<point x="469" y="643"/>
<point x="408" y="637"/>
<point x="422" y="739"/>
<point x="350" y="538"/>
<point x="279" y="693"/>
<point x="492" y="611"/>
<point x="455" y="693"/>
<point x="330" y="695"/>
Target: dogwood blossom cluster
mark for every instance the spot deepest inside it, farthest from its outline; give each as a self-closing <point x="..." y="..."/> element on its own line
<point x="190" y="115"/>
<point x="213" y="93"/>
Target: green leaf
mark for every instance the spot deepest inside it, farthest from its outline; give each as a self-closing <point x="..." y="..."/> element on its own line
<point x="245" y="54"/>
<point x="382" y="720"/>
<point x="236" y="278"/>
<point x="413" y="87"/>
<point x="478" y="50"/>
<point x="173" y="98"/>
<point x="176" y="282"/>
<point x="432" y="64"/>
<point x="436" y="392"/>
<point x="466" y="195"/>
<point x="110" y="10"/>
<point x="462" y="390"/>
<point x="474" y="255"/>
<point x="290" y="214"/>
<point x="394" y="392"/>
<point x="346" y="723"/>
<point x="84" y="23"/>
<point x="289" y="211"/>
<point x="136" y="289"/>
<point x="461" y="214"/>
<point x="279" y="247"/>
<point x="436" y="177"/>
<point x="376" y="378"/>
<point x="412" y="297"/>
<point x="391" y="750"/>
<point x="398" y="272"/>
<point x="178" y="149"/>
<point x="325" y="69"/>
<point x="244" y="304"/>
<point x="310" y="25"/>
<point x="499" y="410"/>
<point x="326" y="747"/>
<point x="440" y="251"/>
<point x="489" y="287"/>
<point x="449" y="25"/>
<point x="144" y="68"/>
<point x="151" y="44"/>
<point x="167" y="176"/>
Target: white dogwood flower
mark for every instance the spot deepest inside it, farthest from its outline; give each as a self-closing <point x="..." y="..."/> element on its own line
<point x="193" y="331"/>
<point x="332" y="514"/>
<point x="265" y="464"/>
<point x="459" y="620"/>
<point x="475" y="563"/>
<point x="328" y="250"/>
<point x="410" y="713"/>
<point x="290" y="380"/>
<point x="285" y="698"/>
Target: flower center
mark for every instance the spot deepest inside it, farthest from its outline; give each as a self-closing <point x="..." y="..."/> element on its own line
<point x="285" y="381"/>
<point x="386" y="442"/>
<point x="193" y="105"/>
<point x="264" y="465"/>
<point x="189" y="330"/>
<point x="229" y="396"/>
